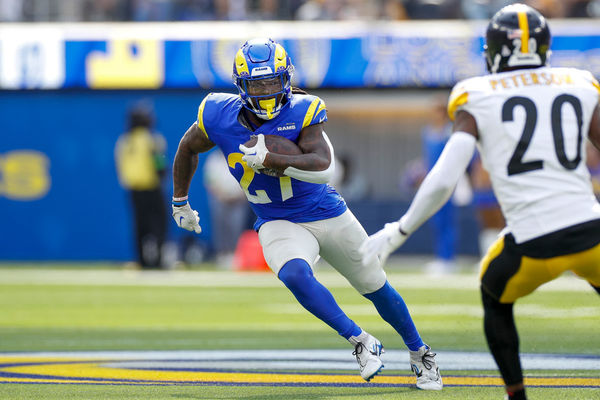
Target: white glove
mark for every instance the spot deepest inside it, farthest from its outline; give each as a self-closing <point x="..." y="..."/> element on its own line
<point x="255" y="155"/>
<point x="187" y="218"/>
<point x="382" y="243"/>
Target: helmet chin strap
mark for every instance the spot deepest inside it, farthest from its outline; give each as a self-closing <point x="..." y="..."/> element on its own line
<point x="496" y="65"/>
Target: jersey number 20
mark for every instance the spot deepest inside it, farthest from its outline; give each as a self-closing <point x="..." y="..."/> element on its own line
<point x="516" y="164"/>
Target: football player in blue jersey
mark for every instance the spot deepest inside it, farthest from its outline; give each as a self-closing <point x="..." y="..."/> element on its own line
<point x="300" y="217"/>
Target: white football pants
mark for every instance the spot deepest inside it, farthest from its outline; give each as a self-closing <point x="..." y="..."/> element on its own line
<point x="335" y="239"/>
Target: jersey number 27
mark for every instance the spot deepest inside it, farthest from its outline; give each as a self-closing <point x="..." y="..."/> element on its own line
<point x="261" y="196"/>
<point x="516" y="164"/>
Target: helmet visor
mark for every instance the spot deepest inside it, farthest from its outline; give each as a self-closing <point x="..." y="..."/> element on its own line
<point x="264" y="87"/>
<point x="266" y="95"/>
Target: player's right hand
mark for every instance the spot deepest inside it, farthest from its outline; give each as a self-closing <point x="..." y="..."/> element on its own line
<point x="255" y="156"/>
<point x="186" y="218"/>
<point x="382" y="243"/>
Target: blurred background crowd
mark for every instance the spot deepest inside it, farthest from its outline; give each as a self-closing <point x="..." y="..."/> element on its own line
<point x="252" y="10"/>
<point x="386" y="92"/>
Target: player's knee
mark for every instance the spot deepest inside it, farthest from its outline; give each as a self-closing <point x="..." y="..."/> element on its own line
<point x="382" y="292"/>
<point x="489" y="302"/>
<point x="295" y="274"/>
<point x="496" y="316"/>
<point x="367" y="281"/>
<point x="494" y="310"/>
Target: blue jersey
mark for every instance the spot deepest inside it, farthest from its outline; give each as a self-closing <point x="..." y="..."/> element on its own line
<point x="270" y="197"/>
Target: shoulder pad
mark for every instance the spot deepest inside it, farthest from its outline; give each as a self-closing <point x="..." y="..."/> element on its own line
<point x="589" y="77"/>
<point x="458" y="97"/>
<point x="316" y="111"/>
<point x="462" y="93"/>
<point x="200" y="120"/>
<point x="210" y="111"/>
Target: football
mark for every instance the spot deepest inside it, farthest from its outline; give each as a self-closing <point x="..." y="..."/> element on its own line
<point x="276" y="144"/>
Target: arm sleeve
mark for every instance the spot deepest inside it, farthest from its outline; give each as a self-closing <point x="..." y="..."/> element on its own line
<point x="314" y="176"/>
<point x="440" y="182"/>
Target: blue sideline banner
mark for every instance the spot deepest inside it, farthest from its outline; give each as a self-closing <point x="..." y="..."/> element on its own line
<point x="60" y="198"/>
<point x="326" y="54"/>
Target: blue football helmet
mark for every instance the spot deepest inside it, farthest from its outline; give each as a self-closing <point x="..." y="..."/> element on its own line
<point x="262" y="72"/>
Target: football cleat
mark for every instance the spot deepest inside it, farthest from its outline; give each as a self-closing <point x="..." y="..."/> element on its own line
<point x="367" y="350"/>
<point x="422" y="363"/>
<point x="516" y="37"/>
<point x="262" y="73"/>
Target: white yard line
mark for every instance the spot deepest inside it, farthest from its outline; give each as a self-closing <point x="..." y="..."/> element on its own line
<point x="97" y="277"/>
<point x="247" y="360"/>
<point x="457" y="310"/>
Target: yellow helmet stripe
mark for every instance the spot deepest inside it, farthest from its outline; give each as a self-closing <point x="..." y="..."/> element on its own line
<point x="455" y="102"/>
<point x="200" y="122"/>
<point x="280" y="57"/>
<point x="310" y="113"/>
<point x="524" y="27"/>
<point x="240" y="63"/>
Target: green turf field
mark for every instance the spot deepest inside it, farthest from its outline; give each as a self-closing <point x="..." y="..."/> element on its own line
<point x="100" y="308"/>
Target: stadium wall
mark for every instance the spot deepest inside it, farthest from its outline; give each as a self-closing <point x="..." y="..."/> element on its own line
<point x="65" y="89"/>
<point x="59" y="194"/>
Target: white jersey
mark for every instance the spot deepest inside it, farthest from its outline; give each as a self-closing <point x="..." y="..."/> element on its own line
<point x="533" y="126"/>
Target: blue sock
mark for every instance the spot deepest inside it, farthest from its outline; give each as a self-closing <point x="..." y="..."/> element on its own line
<point x="298" y="277"/>
<point x="393" y="310"/>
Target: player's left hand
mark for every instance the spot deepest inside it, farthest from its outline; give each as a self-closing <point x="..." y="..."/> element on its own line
<point x="382" y="243"/>
<point x="255" y="156"/>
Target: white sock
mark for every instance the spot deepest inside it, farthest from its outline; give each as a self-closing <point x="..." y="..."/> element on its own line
<point x="358" y="339"/>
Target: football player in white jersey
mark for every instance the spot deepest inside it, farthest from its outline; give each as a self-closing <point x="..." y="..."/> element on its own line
<point x="530" y="123"/>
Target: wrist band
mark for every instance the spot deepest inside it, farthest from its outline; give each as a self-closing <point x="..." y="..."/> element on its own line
<point x="179" y="203"/>
<point x="180" y="198"/>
